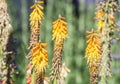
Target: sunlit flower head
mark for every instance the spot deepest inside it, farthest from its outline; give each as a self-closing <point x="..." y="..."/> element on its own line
<point x="93" y="49"/>
<point x="93" y="55"/>
<point x="39" y="56"/>
<point x="37" y="13"/>
<point x="59" y="29"/>
<point x="35" y="22"/>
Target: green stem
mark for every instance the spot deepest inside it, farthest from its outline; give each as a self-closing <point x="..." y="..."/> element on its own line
<point x="106" y="49"/>
<point x="55" y="81"/>
<point x="33" y="78"/>
<point x="0" y="50"/>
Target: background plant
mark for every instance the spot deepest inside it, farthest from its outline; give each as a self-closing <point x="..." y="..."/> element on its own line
<point x="79" y="14"/>
<point x="102" y="55"/>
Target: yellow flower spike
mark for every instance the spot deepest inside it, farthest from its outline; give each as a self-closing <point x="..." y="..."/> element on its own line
<point x="93" y="56"/>
<point x="39" y="56"/>
<point x="59" y="29"/>
<point x="35" y="22"/>
<point x="59" y="35"/>
<point x="36" y="13"/>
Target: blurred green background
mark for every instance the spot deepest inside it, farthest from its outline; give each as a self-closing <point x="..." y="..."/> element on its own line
<point x="79" y="15"/>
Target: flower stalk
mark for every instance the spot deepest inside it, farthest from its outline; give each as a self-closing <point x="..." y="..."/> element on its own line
<point x="38" y="56"/>
<point x="59" y="35"/>
<point x="35" y="22"/>
<point x="106" y="26"/>
<point x="6" y="46"/>
<point x="93" y="55"/>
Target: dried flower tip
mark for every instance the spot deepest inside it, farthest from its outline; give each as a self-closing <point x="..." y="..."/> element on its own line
<point x="64" y="71"/>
